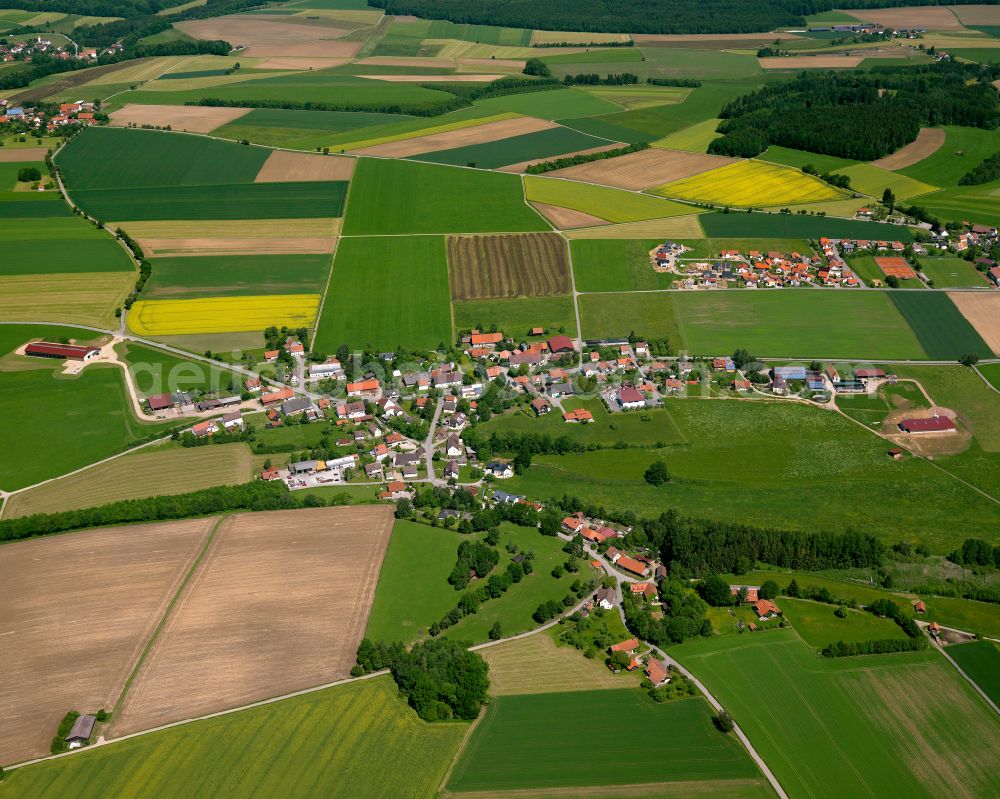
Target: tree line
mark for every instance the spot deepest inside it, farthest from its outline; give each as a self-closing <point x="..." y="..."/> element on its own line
<point x="584" y="158"/>
<point x="858" y="115"/>
<point x="984" y="172"/>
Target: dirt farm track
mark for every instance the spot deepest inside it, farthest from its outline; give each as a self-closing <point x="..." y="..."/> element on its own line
<point x="279" y="603"/>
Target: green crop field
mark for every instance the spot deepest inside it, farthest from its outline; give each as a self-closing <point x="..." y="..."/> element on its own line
<point x="13" y="207"/>
<point x="694" y="138"/>
<point x="963" y="149"/>
<point x="542" y="144"/>
<point x="304" y="130"/>
<point x="817" y="625"/>
<point x="552" y="104"/>
<point x="386" y="194"/>
<point x="522" y="743"/>
<point x="981" y="661"/>
<point x="516" y="316"/>
<point x="84" y="255"/>
<point x="939" y="326"/>
<point x="233" y="275"/>
<point x="74" y="421"/>
<point x="616" y="265"/>
<point x="950" y="273"/>
<point x="966" y="203"/>
<point x="801" y="158"/>
<point x="803" y="323"/>
<point x="852" y="727"/>
<point x="339" y="733"/>
<point x="873" y="181"/>
<point x="794" y="226"/>
<point x="109" y="158"/>
<point x="615" y="205"/>
<point x="143" y="474"/>
<point x="387" y="292"/>
<point x="991" y="371"/>
<point x="243" y="201"/>
<point x="414" y="592"/>
<point x="818" y="470"/>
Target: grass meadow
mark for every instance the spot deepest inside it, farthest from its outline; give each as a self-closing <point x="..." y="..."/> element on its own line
<point x="800" y="158"/>
<point x="387" y="291"/>
<point x="817" y="625"/>
<point x="616" y="265"/>
<point x="873" y="180"/>
<point x="884" y="725"/>
<point x="338" y="734"/>
<point x="389" y="197"/>
<point x="491" y="155"/>
<point x="950" y="273"/>
<point x="554" y="104"/>
<point x="73" y="421"/>
<point x="778" y="324"/>
<point x="516" y="316"/>
<point x="966" y="203"/>
<point x="236" y="275"/>
<point x="963" y="149"/>
<point x="981" y="661"/>
<point x="816" y="471"/>
<point x="615" y="205"/>
<point x="155" y="372"/>
<point x="523" y="744"/>
<point x="70" y="256"/>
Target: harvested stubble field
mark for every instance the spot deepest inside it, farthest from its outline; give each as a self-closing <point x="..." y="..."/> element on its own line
<point x="80" y="607"/>
<point x="637" y="171"/>
<point x="567" y="218"/>
<point x="458" y="137"/>
<point x="811" y="62"/>
<point x="252" y="29"/>
<point x="750" y="183"/>
<point x="279" y="604"/>
<point x="237" y="246"/>
<point x="181" y="230"/>
<point x="173" y="471"/>
<point x="86" y="298"/>
<point x="677" y="227"/>
<point x="222" y="314"/>
<point x="197" y="119"/>
<point x="935" y="18"/>
<point x="928" y="141"/>
<point x="983" y="313"/>
<point x="286" y="167"/>
<point x="495" y="267"/>
<point x="11" y="154"/>
<point x="977" y="14"/>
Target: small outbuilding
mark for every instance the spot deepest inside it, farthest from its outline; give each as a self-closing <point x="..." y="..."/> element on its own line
<point x="82" y="729"/>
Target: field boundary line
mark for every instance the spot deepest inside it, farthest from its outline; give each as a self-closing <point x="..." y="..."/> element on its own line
<point x="165" y="616"/>
<point x="944" y="651"/>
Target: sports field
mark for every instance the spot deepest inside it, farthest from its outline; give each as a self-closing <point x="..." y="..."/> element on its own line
<point x="384" y="195"/>
<point x="156" y="473"/>
<point x="853" y="726"/>
<point x="774" y="324"/>
<point x="516" y="316"/>
<point x="600" y="201"/>
<point x="241" y="201"/>
<point x="949" y="273"/>
<point x="222" y="314"/>
<point x="278" y="604"/>
<point x="521" y="743"/>
<point x="938" y="325"/>
<point x="237" y="275"/>
<point x="493" y="267"/>
<point x="981" y="661"/>
<point x="387" y="291"/>
<point x="77" y="647"/>
<point x="340" y="731"/>
<point x="530" y="146"/>
<point x="750" y="183"/>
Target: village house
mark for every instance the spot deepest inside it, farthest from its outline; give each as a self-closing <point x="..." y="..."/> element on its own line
<point x="657" y="674"/>
<point x="629" y="645"/>
<point x="623" y="561"/>
<point x="541" y="406"/>
<point x="232" y="421"/>
<point x="205" y="429"/>
<point x="363" y="388"/>
<point x="766" y="609"/>
<point x="373" y="471"/>
<point x="606" y="598"/>
<point x="579" y="416"/>
<point x="453" y="447"/>
<point x="648" y="590"/>
<point x="751" y="591"/>
<point x="630" y="399"/>
<point x="499" y="470"/>
<point x="297" y="405"/>
<point x="351" y="410"/>
<point x="390" y="407"/>
<point x="274" y="397"/>
<point x="573" y="524"/>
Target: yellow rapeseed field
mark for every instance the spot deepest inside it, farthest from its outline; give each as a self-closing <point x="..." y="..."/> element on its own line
<point x="222" y="314"/>
<point x="751" y="183"/>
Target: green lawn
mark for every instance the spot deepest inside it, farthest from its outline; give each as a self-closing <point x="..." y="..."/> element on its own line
<point x="316" y="744"/>
<point x="798" y="226"/>
<point x="774" y="464"/>
<point x="241" y="201"/>
<point x="236" y="275"/>
<point x="992" y="373"/>
<point x="939" y="326"/>
<point x="615" y="205"/>
<point x="616" y="265"/>
<point x="963" y="149"/>
<point x="552" y="104"/>
<point x="981" y="661"/>
<point x="387" y="291"/>
<point x="106" y="158"/>
<point x="890" y="725"/>
<point x="950" y="273"/>
<point x="517" y="316"/>
<point x="389" y="196"/>
<point x="54" y="425"/>
<point x="526" y="741"/>
<point x="803" y="323"/>
<point x="817" y="625"/>
<point x="491" y="155"/>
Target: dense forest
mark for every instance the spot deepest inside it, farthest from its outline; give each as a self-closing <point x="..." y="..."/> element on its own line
<point x="863" y="115"/>
<point x="632" y="16"/>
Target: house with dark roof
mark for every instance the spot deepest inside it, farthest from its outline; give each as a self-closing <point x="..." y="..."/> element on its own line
<point x="82" y="729"/>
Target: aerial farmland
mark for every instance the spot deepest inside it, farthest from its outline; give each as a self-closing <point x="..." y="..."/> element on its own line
<point x="430" y="398"/>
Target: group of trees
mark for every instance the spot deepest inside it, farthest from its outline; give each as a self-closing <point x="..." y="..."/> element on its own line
<point x="474" y="559"/>
<point x="593" y="79"/>
<point x="584" y="158"/>
<point x="684" y="615"/>
<point x="493" y="588"/>
<point x="440" y="679"/>
<point x="858" y="115"/>
<point x="984" y="172"/>
<point x="976" y="552"/>
<point x="840" y="181"/>
<point x="882" y="646"/>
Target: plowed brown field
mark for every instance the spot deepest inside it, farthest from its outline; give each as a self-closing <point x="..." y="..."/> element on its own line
<point x="982" y="309"/>
<point x="282" y="166"/>
<point x="490" y="267"/>
<point x="279" y="604"/>
<point x="646" y="168"/>
<point x="77" y="609"/>
<point x="197" y="119"/>
<point x="927" y="142"/>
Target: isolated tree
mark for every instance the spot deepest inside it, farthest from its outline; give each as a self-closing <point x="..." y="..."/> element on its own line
<point x="741" y="358"/>
<point x="522" y="461"/>
<point x="889" y="199"/>
<point x="496" y="632"/>
<point x="657" y="474"/>
<point x="724" y="721"/>
<point x="969" y="359"/>
<point x="892" y="281"/>
<point x="793" y="589"/>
